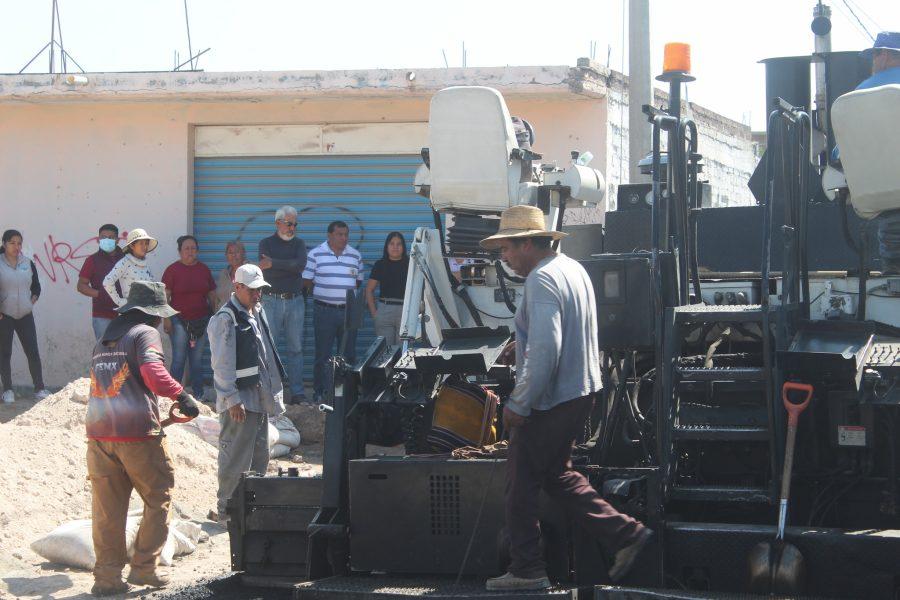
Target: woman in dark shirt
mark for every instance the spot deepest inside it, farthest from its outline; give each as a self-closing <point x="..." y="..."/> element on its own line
<point x="389" y="275"/>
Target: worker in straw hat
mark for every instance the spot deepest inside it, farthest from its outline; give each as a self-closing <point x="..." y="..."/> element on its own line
<point x="132" y="267"/>
<point x="557" y="375"/>
<point x="126" y="445"/>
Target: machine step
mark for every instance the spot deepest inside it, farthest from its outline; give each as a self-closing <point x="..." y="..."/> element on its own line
<point x="720" y="313"/>
<point x="723" y="433"/>
<point x="719" y="493"/>
<point x="721" y="373"/>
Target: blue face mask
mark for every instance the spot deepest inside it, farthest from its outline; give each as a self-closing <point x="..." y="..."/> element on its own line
<point x="107" y="244"/>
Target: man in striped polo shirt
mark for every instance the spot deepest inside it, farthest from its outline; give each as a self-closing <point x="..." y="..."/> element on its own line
<point x="332" y="268"/>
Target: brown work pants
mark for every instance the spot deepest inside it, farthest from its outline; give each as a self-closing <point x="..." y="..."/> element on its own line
<point x="115" y="468"/>
<point x="540" y="457"/>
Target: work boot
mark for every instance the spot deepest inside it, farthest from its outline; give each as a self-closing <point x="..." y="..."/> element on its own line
<point x="109" y="588"/>
<point x="626" y="556"/>
<point x="508" y="582"/>
<point x="148" y="578"/>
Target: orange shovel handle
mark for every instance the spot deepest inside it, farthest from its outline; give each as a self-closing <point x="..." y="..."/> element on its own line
<point x="175" y="417"/>
<point x="793" y="408"/>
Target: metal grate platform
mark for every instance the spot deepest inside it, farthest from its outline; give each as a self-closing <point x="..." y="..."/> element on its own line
<point x="604" y="592"/>
<point x="377" y="587"/>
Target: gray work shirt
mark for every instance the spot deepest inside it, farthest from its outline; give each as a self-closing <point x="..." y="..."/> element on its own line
<point x="267" y="396"/>
<point x="557" y="352"/>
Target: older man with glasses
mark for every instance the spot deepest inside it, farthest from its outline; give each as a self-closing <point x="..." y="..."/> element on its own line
<point x="282" y="258"/>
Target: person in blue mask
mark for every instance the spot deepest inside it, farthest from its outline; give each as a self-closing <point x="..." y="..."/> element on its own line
<point x="90" y="278"/>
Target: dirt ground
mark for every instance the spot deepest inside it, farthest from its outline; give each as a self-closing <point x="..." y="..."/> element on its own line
<point x="43" y="484"/>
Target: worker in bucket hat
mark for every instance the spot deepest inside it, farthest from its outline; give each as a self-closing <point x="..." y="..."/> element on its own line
<point x="885" y="54"/>
<point x="126" y="445"/>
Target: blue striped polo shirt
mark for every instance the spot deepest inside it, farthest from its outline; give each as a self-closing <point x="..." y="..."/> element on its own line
<point x="333" y="275"/>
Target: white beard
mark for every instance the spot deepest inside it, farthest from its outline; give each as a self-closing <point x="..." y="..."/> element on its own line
<point x="286" y="237"/>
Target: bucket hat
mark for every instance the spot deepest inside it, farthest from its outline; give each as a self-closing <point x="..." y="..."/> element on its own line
<point x="140" y="234"/>
<point x="148" y="297"/>
<point x="520" y="222"/>
<point x="886" y="40"/>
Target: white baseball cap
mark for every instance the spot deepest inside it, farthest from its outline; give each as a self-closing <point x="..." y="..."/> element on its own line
<point x="251" y="276"/>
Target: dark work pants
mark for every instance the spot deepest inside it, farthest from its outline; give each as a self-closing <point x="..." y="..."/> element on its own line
<point x="540" y="457"/>
<point x="24" y="328"/>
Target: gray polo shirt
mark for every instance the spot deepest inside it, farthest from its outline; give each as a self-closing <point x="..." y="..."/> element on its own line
<point x="557" y="352"/>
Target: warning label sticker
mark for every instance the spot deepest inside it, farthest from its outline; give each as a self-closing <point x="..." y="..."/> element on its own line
<point x="851" y="435"/>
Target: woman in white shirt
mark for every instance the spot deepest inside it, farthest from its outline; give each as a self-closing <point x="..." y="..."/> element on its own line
<point x="132" y="267"/>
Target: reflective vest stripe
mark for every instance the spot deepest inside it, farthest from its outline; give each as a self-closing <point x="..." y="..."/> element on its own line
<point x="246" y="372"/>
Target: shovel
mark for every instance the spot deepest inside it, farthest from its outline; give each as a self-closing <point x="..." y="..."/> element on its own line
<point x="777" y="567"/>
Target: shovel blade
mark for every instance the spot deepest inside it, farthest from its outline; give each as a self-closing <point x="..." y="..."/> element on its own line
<point x="776" y="568"/>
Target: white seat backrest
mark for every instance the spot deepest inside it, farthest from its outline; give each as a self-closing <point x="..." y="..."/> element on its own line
<point x="867" y="131"/>
<point x="470" y="137"/>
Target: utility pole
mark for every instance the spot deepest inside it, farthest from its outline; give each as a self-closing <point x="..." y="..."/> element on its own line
<point x="821" y="27"/>
<point x="640" y="89"/>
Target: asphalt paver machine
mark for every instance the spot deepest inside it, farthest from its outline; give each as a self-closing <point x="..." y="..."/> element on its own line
<point x="710" y="321"/>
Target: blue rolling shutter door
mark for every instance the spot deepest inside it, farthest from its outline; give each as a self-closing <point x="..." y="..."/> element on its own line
<point x="235" y="198"/>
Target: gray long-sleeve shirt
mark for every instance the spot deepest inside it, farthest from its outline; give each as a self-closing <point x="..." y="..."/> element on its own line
<point x="267" y="396"/>
<point x="557" y="352"/>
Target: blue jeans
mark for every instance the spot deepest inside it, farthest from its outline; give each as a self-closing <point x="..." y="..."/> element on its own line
<point x="182" y="351"/>
<point x="99" y="324"/>
<point x="286" y="317"/>
<point x="329" y="327"/>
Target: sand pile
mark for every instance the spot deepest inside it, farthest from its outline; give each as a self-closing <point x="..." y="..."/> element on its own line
<point x="43" y="476"/>
<point x="308" y="420"/>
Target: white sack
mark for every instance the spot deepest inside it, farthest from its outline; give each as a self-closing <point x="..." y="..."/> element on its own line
<point x="71" y="544"/>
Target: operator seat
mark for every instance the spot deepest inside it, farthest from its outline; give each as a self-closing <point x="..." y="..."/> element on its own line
<point x="867" y="129"/>
<point x="476" y="165"/>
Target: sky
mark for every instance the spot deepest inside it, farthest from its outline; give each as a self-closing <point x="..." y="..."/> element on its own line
<point x="727" y="37"/>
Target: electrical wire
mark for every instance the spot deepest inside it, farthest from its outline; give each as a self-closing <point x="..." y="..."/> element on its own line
<point x="852" y="12"/>
<point x="868" y="16"/>
<point x="487" y="314"/>
<point x="843" y="13"/>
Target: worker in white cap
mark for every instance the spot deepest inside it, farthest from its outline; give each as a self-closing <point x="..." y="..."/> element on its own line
<point x="247" y="375"/>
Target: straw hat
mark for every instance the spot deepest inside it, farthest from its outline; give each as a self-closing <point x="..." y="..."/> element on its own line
<point x="520" y="222"/>
<point x="140" y="234"/>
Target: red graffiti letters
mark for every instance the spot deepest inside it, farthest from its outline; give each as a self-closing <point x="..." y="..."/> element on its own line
<point x="61" y="261"/>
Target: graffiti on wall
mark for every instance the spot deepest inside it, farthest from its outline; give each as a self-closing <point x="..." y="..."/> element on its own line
<point x="59" y="260"/>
